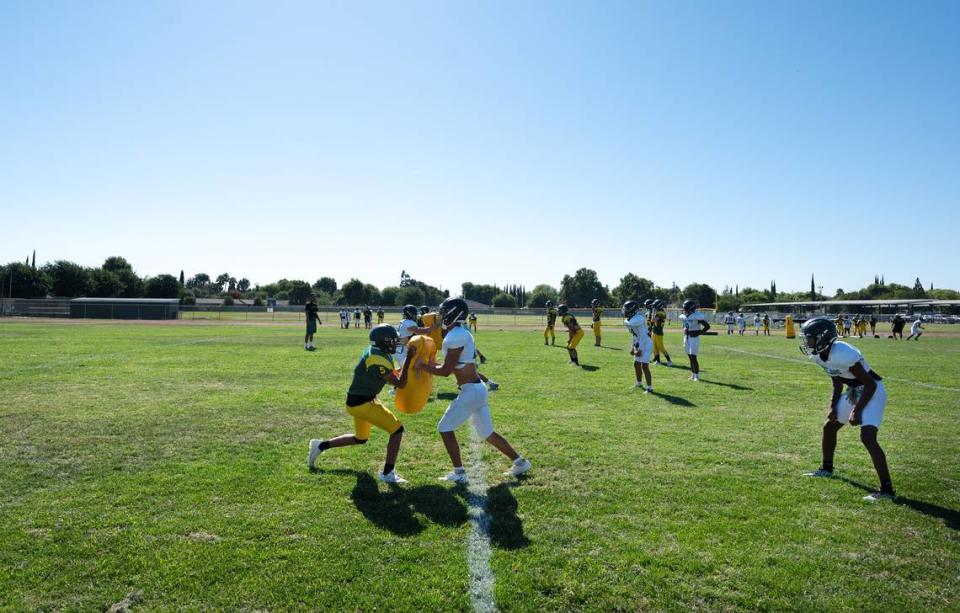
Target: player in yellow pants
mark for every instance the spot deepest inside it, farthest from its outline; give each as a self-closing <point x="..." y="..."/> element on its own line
<point x="659" y="321"/>
<point x="597" y="315"/>
<point x="551" y="322"/>
<point x="576" y="332"/>
<point x="372" y="372"/>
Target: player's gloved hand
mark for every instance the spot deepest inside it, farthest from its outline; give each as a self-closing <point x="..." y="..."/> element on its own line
<point x="855" y="418"/>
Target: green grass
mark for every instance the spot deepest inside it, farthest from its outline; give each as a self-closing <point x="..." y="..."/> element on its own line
<point x="166" y="462"/>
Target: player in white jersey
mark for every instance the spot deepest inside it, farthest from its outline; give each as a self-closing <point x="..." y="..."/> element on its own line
<point x="472" y="403"/>
<point x="694" y="324"/>
<point x="916" y="329"/>
<point x="642" y="347"/>
<point x="729" y="319"/>
<point x="862" y="404"/>
<point x="741" y="324"/>
<point x="757" y="322"/>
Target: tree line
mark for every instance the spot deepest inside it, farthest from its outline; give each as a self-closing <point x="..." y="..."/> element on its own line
<point x="115" y="278"/>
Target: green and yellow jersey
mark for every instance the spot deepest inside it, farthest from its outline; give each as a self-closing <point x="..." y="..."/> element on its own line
<point x="597" y="313"/>
<point x="370" y="373"/>
<point x="551" y="317"/>
<point x="659" y="319"/>
<point x="570" y="322"/>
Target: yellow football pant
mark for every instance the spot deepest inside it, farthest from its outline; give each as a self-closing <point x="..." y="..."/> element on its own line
<point x="372" y="413"/>
<point x="573" y="342"/>
<point x="658" y="346"/>
<point x="549" y="331"/>
<point x="596" y="328"/>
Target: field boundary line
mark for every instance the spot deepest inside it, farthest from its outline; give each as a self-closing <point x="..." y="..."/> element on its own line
<point x="478" y="542"/>
<point x="932" y="386"/>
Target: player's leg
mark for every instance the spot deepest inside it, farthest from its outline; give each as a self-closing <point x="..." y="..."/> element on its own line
<point x="545" y="332"/>
<point x="377" y="414"/>
<point x="360" y="435"/>
<point x="868" y="436"/>
<point x="456" y="415"/>
<point x="828" y="446"/>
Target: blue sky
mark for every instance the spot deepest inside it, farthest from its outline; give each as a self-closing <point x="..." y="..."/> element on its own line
<point x="501" y="142"/>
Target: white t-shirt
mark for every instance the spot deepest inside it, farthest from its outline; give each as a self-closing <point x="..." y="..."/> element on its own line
<point x="741" y="322"/>
<point x="691" y="322"/>
<point x="841" y="359"/>
<point x="915" y="327"/>
<point x="756" y="320"/>
<point x="405" y="330"/>
<point x="637" y="325"/>
<point x="457" y="337"/>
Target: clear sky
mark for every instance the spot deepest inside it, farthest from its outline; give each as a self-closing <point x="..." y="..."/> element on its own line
<point x="494" y="142"/>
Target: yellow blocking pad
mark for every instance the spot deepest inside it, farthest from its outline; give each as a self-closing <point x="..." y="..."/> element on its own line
<point x="428" y="320"/>
<point x="413" y="396"/>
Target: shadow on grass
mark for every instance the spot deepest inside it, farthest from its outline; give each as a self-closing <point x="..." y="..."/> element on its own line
<point x="730" y="385"/>
<point x="446" y="395"/>
<point x="397" y="509"/>
<point x="950" y="517"/>
<point x="608" y="347"/>
<point x="677" y="400"/>
<point x="589" y="367"/>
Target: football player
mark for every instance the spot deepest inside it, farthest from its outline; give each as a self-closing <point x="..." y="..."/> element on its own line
<point x="766" y="325"/>
<point x="597" y="314"/>
<point x="380" y="315"/>
<point x="472" y="403"/>
<point x="642" y="347"/>
<point x="575" y="331"/>
<point x="729" y="320"/>
<point x="356" y="317"/>
<point x="862" y="404"/>
<point x="741" y="324"/>
<point x="873" y="326"/>
<point x="372" y="372"/>
<point x="659" y="320"/>
<point x="916" y="329"/>
<point x="756" y="324"/>
<point x="473" y="322"/>
<point x="694" y="324"/>
<point x="839" y="324"/>
<point x="551" y="322"/>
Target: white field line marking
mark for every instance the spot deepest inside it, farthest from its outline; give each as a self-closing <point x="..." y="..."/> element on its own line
<point x="802" y="361"/>
<point x="478" y="543"/>
<point x="97" y="356"/>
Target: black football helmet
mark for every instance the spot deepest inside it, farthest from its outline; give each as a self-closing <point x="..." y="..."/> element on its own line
<point x="816" y="335"/>
<point x="549" y="304"/>
<point x="648" y="303"/>
<point x="595" y="303"/>
<point x="657" y="303"/>
<point x="424" y="309"/>
<point x="563" y="309"/>
<point x="630" y="308"/>
<point x="690" y="305"/>
<point x="385" y="338"/>
<point x="453" y="310"/>
<point x="410" y="312"/>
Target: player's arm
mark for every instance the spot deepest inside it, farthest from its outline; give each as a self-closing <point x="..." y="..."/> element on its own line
<point x="869" y="387"/>
<point x="704" y="325"/>
<point x="835" y="398"/>
<point x="441" y="370"/>
<point x="401" y="381"/>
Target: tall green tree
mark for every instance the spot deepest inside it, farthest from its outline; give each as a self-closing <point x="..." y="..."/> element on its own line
<point x="354" y="292"/>
<point x="298" y="292"/>
<point x="105" y="283"/>
<point x="162" y="286"/>
<point x="68" y="279"/>
<point x="20" y="280"/>
<point x="540" y="294"/>
<point x="702" y="293"/>
<point x="326" y="284"/>
<point x="632" y="287"/>
<point x="582" y="287"/>
<point x="132" y="283"/>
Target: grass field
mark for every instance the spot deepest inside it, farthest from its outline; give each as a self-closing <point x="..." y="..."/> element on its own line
<point x="162" y="466"/>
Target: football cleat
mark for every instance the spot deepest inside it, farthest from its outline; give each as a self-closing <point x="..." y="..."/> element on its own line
<point x="392" y="477"/>
<point x="820" y="473"/>
<point x="876" y="496"/>
<point x="455" y="477"/>
<point x="314" y="452"/>
<point x="493" y="386"/>
<point x="519" y="468"/>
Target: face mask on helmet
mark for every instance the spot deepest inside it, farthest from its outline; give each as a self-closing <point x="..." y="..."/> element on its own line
<point x="384" y="338"/>
<point x="629" y="309"/>
<point x="452" y="311"/>
<point x="817" y="335"/>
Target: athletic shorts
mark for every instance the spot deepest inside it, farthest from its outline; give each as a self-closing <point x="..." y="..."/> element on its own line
<point x="646" y="350"/>
<point x="472" y="403"/>
<point x="573" y="342"/>
<point x="311" y="326"/>
<point x="691" y="344"/>
<point x="372" y="413"/>
<point x="872" y="414"/>
<point x="596" y="328"/>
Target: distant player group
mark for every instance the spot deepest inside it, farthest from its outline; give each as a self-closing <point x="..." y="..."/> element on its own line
<point x="858" y="399"/>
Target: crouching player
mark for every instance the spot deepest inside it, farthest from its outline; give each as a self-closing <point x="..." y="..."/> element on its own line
<point x="861" y="405"/>
<point x="642" y="347"/>
<point x="372" y="372"/>
<point x="575" y="331"/>
<point x="472" y="403"/>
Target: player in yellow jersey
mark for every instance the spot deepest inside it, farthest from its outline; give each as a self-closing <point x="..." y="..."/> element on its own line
<point x="472" y="321"/>
<point x="766" y="325"/>
<point x="551" y="322"/>
<point x="839" y="323"/>
<point x="659" y="321"/>
<point x="597" y="315"/>
<point x="576" y="332"/>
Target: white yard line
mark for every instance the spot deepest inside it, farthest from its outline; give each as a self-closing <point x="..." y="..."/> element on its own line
<point x="478" y="543"/>
<point x="802" y="361"/>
